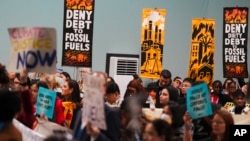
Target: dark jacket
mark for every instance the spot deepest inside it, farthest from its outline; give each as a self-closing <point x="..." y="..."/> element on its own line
<point x="112" y="117"/>
<point x="155" y="86"/>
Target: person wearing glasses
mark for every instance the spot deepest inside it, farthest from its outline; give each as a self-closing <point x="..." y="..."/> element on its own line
<point x="220" y="127"/>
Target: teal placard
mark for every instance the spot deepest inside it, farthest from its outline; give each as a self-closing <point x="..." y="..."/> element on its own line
<point x="198" y="101"/>
<point x="45" y="102"/>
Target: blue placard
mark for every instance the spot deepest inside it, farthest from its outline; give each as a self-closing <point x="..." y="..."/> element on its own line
<point x="45" y="102"/>
<point x="198" y="101"/>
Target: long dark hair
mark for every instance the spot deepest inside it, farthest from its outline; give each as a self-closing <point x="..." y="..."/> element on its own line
<point x="162" y="128"/>
<point x="228" y="119"/>
<point x="10" y="104"/>
<point x="135" y="84"/>
<point x="225" y="82"/>
<point x="177" y="114"/>
<point x="75" y="95"/>
<point x="4" y="78"/>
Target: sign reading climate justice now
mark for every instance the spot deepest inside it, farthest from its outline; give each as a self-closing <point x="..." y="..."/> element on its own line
<point x="198" y="101"/>
<point x="45" y="102"/>
<point x="235" y="35"/>
<point x="33" y="48"/>
<point x="78" y="33"/>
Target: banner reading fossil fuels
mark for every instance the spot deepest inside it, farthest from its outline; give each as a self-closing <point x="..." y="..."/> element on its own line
<point x="78" y="33"/>
<point x="152" y="41"/>
<point x="201" y="65"/>
<point x="235" y="29"/>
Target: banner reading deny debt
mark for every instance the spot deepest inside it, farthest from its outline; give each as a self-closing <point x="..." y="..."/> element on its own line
<point x="235" y="36"/>
<point x="32" y="48"/>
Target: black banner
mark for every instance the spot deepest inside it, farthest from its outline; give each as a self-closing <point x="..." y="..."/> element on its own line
<point x="78" y="33"/>
<point x="235" y="29"/>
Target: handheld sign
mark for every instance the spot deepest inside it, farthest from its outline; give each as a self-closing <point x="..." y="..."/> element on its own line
<point x="198" y="101"/>
<point x="45" y="102"/>
<point x="33" y="48"/>
<point x="93" y="104"/>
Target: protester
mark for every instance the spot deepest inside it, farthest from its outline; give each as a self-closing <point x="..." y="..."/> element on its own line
<point x="220" y="127"/>
<point x="225" y="85"/>
<point x="65" y="75"/>
<point x="112" y="119"/>
<point x="245" y="88"/>
<point x="83" y="71"/>
<point x="26" y="116"/>
<point x="201" y="127"/>
<point x="158" y="130"/>
<point x="4" y="79"/>
<point x="186" y="84"/>
<point x="71" y="102"/>
<point x="173" y="114"/>
<point x="112" y="94"/>
<point x="239" y="100"/>
<point x="110" y="79"/>
<point x="165" y="96"/>
<point x="232" y="87"/>
<point x="216" y="95"/>
<point x="132" y="121"/>
<point x="177" y="81"/>
<point x="164" y="81"/>
<point x="135" y="88"/>
<point x="10" y="105"/>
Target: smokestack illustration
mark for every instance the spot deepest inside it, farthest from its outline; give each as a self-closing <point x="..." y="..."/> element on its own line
<point x="160" y="36"/>
<point x="145" y="34"/>
<point x="156" y="33"/>
<point x="150" y="29"/>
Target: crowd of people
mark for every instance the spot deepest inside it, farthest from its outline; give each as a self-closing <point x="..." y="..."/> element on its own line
<point x="125" y="119"/>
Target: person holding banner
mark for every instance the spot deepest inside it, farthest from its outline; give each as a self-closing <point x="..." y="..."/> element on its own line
<point x="58" y="116"/>
<point x="112" y="118"/>
<point x="200" y="108"/>
<point x="220" y="127"/>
